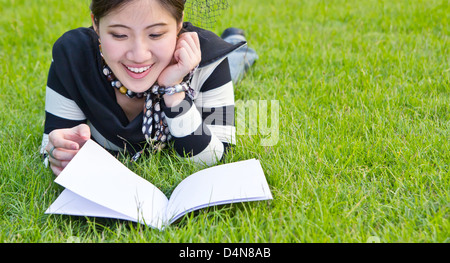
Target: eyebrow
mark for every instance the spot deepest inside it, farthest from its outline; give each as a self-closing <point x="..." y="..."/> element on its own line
<point x="127" y="27"/>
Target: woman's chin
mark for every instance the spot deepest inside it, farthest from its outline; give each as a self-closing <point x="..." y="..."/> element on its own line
<point x="140" y="86"/>
<point x="140" y="90"/>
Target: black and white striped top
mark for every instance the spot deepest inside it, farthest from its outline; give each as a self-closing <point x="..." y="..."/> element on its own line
<point x="78" y="92"/>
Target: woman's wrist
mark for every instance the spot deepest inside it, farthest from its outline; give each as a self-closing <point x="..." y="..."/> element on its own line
<point x="174" y="99"/>
<point x="170" y="83"/>
<point x="173" y="94"/>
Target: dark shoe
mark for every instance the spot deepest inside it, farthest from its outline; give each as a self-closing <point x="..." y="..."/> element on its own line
<point x="232" y="31"/>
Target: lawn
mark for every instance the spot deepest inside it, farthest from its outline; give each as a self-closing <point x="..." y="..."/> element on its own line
<point x="357" y="149"/>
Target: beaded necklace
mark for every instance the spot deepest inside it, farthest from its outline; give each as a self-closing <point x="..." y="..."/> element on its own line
<point x="117" y="84"/>
<point x="155" y="89"/>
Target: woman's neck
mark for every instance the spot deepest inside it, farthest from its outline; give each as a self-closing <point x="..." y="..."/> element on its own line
<point x="131" y="106"/>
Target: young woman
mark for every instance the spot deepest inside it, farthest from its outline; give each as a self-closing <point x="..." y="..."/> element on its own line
<point x="139" y="78"/>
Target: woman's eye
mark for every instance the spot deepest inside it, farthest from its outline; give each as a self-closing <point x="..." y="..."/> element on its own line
<point x="118" y="36"/>
<point x="155" y="35"/>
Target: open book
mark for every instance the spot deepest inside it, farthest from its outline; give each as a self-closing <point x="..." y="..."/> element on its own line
<point x="97" y="184"/>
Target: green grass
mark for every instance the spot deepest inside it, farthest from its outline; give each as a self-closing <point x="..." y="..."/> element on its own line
<point x="364" y="126"/>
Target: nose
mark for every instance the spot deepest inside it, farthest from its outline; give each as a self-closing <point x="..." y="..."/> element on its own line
<point x="139" y="52"/>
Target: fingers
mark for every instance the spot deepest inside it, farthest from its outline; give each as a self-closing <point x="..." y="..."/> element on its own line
<point x="186" y="57"/>
<point x="57" y="166"/>
<point x="58" y="139"/>
<point x="80" y="134"/>
<point x="59" y="159"/>
<point x="62" y="154"/>
<point x="64" y="144"/>
<point x="56" y="170"/>
<point x="191" y="39"/>
<point x="188" y="50"/>
<point x="71" y="139"/>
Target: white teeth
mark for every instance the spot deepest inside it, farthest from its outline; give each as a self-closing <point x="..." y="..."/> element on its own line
<point x="138" y="70"/>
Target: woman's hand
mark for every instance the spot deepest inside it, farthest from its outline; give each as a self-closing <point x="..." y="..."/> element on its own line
<point x="66" y="143"/>
<point x="186" y="57"/>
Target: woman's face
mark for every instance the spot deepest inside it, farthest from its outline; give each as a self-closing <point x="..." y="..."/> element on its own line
<point x="138" y="41"/>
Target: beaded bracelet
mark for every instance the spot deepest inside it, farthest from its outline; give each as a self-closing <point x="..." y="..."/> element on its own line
<point x="182" y="87"/>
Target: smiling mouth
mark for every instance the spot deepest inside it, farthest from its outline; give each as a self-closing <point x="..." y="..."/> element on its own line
<point x="138" y="70"/>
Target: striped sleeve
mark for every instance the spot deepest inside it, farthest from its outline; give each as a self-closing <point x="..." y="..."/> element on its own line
<point x="204" y="127"/>
<point x="60" y="110"/>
